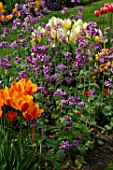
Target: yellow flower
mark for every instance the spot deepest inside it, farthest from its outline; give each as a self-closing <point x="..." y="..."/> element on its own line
<point x="97" y="39"/>
<point x="67" y="24"/>
<point x="102" y="67"/>
<point x="97" y="56"/>
<point x="37" y="3"/>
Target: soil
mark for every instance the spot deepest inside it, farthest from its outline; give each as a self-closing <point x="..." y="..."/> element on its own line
<point x="101" y="155"/>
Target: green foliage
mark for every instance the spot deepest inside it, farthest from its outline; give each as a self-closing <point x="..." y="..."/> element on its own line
<point x="109" y="166"/>
<point x="9" y="5"/>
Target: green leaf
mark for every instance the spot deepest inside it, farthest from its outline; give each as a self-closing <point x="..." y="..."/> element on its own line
<point x="35" y="167"/>
<point x="63" y="120"/>
<point x="78" y="163"/>
<point x="56" y="165"/>
<point x="52" y="143"/>
<point x="94" y="85"/>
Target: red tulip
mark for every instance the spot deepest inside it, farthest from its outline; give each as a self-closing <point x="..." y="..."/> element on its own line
<point x="105" y="10"/>
<point x="106" y="5"/>
<point x="101" y="11"/>
<point x="96" y="14"/>
<point x="11" y="116"/>
<point x="110" y="8"/>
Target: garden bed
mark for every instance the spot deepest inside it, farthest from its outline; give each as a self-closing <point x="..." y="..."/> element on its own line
<point x="56" y="88"/>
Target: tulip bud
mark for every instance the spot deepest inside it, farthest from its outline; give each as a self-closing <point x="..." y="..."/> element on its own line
<point x="96" y="14"/>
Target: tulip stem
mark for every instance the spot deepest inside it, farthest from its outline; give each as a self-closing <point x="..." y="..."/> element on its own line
<point x="33" y="134"/>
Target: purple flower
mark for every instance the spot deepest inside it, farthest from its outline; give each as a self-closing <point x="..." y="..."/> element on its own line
<point x="92" y="92"/>
<point x="20" y="35"/>
<point x="64" y="10"/>
<point x="55" y="78"/>
<point x="58" y="93"/>
<point x="67" y="55"/>
<point x="23" y="74"/>
<point x="63" y="102"/>
<point x="60" y="66"/>
<point x="64" y="146"/>
<point x="96" y="46"/>
<point x="68" y="119"/>
<point x="72" y="101"/>
<point x="68" y="80"/>
<point x="34" y="122"/>
<point x="102" y="60"/>
<point x="108" y="83"/>
<point x="74" y="143"/>
<point x="4" y="44"/>
<point x="17" y="60"/>
<point x="81" y="105"/>
<point x="6" y="30"/>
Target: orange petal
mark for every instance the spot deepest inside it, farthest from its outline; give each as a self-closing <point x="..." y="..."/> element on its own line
<point x="27" y="116"/>
<point x="18" y="87"/>
<point x="1" y="102"/>
<point x="34" y="110"/>
<point x="1" y="112"/>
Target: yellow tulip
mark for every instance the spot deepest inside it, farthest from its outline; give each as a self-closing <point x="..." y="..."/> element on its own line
<point x="67" y="24"/>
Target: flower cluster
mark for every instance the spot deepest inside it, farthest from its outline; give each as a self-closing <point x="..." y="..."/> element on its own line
<point x="107" y="8"/>
<point x="68" y="123"/>
<point x="62" y="30"/>
<point x="19" y="98"/>
<point x="5" y="18"/>
<point x="103" y="61"/>
<point x="65" y="145"/>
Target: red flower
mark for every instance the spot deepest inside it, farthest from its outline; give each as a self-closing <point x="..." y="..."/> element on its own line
<point x="106" y="91"/>
<point x="87" y="93"/>
<point x="11" y="116"/>
<point x="96" y="14"/>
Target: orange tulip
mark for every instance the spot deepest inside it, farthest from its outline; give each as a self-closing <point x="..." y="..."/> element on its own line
<point x="17" y="87"/>
<point x="7" y="94"/>
<point x="29" y="87"/>
<point x="8" y="17"/>
<point x="4" y="94"/>
<point x="25" y="86"/>
<point x="11" y="116"/>
<point x="14" y="10"/>
<point x="21" y="102"/>
<point x="1" y="112"/>
<point x="1" y="102"/>
<point x="32" y="112"/>
<point x="2" y="18"/>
